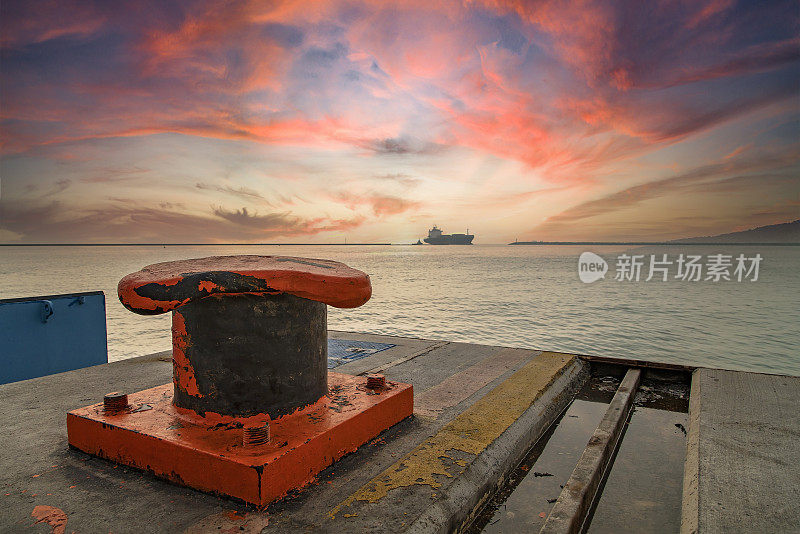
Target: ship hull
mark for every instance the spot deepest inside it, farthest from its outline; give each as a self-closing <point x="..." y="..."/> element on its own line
<point x="454" y="239"/>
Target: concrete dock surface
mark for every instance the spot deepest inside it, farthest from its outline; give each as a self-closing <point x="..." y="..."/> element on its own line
<point x="478" y="410"/>
<point x="743" y="453"/>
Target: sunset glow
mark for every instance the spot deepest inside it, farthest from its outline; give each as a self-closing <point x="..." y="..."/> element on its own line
<point x="291" y="121"/>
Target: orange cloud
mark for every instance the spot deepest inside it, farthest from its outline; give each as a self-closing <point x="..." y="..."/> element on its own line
<point x="380" y="205"/>
<point x="570" y="92"/>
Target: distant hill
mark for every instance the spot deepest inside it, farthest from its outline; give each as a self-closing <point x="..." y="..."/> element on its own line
<point x="774" y="233"/>
<point x="778" y="234"/>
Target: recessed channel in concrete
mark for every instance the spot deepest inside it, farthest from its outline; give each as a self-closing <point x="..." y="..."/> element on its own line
<point x="642" y="491"/>
<point x="524" y="502"/>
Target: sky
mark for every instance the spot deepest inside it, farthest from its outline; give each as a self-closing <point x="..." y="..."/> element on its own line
<point x="370" y="121"/>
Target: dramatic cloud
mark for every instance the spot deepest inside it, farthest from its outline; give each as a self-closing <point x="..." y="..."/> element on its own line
<point x="54" y="222"/>
<point x="480" y="112"/>
<point x="775" y="175"/>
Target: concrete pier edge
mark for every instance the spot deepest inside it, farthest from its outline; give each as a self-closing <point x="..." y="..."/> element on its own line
<point x="690" y="508"/>
<point x="466" y="495"/>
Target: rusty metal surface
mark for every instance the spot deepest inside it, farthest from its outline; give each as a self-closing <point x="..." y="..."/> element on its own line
<point x="163" y="287"/>
<point x="252" y="412"/>
<point x="242" y="355"/>
<point x="216" y="453"/>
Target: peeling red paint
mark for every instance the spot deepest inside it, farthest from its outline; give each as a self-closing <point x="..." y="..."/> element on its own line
<point x="130" y="299"/>
<point x="207" y="453"/>
<point x="208" y="287"/>
<point x="216" y="419"/>
<point x="55" y="517"/>
<point x="326" y="281"/>
<point x="183" y="372"/>
<point x="234" y="515"/>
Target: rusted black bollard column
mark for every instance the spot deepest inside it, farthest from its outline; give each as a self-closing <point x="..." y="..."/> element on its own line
<point x="242" y="355"/>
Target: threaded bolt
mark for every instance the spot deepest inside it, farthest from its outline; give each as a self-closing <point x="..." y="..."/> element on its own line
<point x="115" y="402"/>
<point x="255" y="434"/>
<point x="376" y="381"/>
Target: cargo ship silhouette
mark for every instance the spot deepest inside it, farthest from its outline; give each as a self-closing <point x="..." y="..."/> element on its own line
<point x="436" y="237"/>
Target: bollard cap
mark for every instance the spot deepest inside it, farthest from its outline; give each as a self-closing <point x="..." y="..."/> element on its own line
<point x="163" y="287"/>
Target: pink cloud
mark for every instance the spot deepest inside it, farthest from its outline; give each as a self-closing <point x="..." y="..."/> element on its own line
<point x="711" y="9"/>
<point x="574" y="90"/>
<point x="49" y="19"/>
<point x="198" y="70"/>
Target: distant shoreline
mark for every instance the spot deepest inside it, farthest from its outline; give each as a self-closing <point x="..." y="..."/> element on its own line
<point x="529" y="243"/>
<point x="659" y="243"/>
<point x="188" y="244"/>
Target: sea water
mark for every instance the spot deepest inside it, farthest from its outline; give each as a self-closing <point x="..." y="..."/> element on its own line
<point x="517" y="296"/>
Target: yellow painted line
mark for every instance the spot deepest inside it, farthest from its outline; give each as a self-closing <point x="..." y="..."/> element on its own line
<point x="460" y="386"/>
<point x="470" y="432"/>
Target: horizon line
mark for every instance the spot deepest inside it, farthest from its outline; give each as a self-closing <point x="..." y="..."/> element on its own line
<point x="527" y="243"/>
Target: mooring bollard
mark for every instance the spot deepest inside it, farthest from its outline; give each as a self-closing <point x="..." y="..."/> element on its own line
<point x="249" y="333"/>
<point x="252" y="411"/>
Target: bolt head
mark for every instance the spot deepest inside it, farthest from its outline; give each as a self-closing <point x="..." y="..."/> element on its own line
<point x="255" y="433"/>
<point x="376" y="381"/>
<point x="115" y="402"/>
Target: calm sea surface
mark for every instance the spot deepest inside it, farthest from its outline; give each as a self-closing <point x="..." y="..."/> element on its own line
<point x="520" y="296"/>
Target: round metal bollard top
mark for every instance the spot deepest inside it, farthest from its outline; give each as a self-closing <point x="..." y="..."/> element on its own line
<point x="163" y="287"/>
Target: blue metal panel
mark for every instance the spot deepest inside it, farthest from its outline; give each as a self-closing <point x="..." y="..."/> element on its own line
<point x="341" y="351"/>
<point x="44" y="335"/>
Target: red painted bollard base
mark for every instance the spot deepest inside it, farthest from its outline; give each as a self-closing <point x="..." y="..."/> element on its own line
<point x="210" y="454"/>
